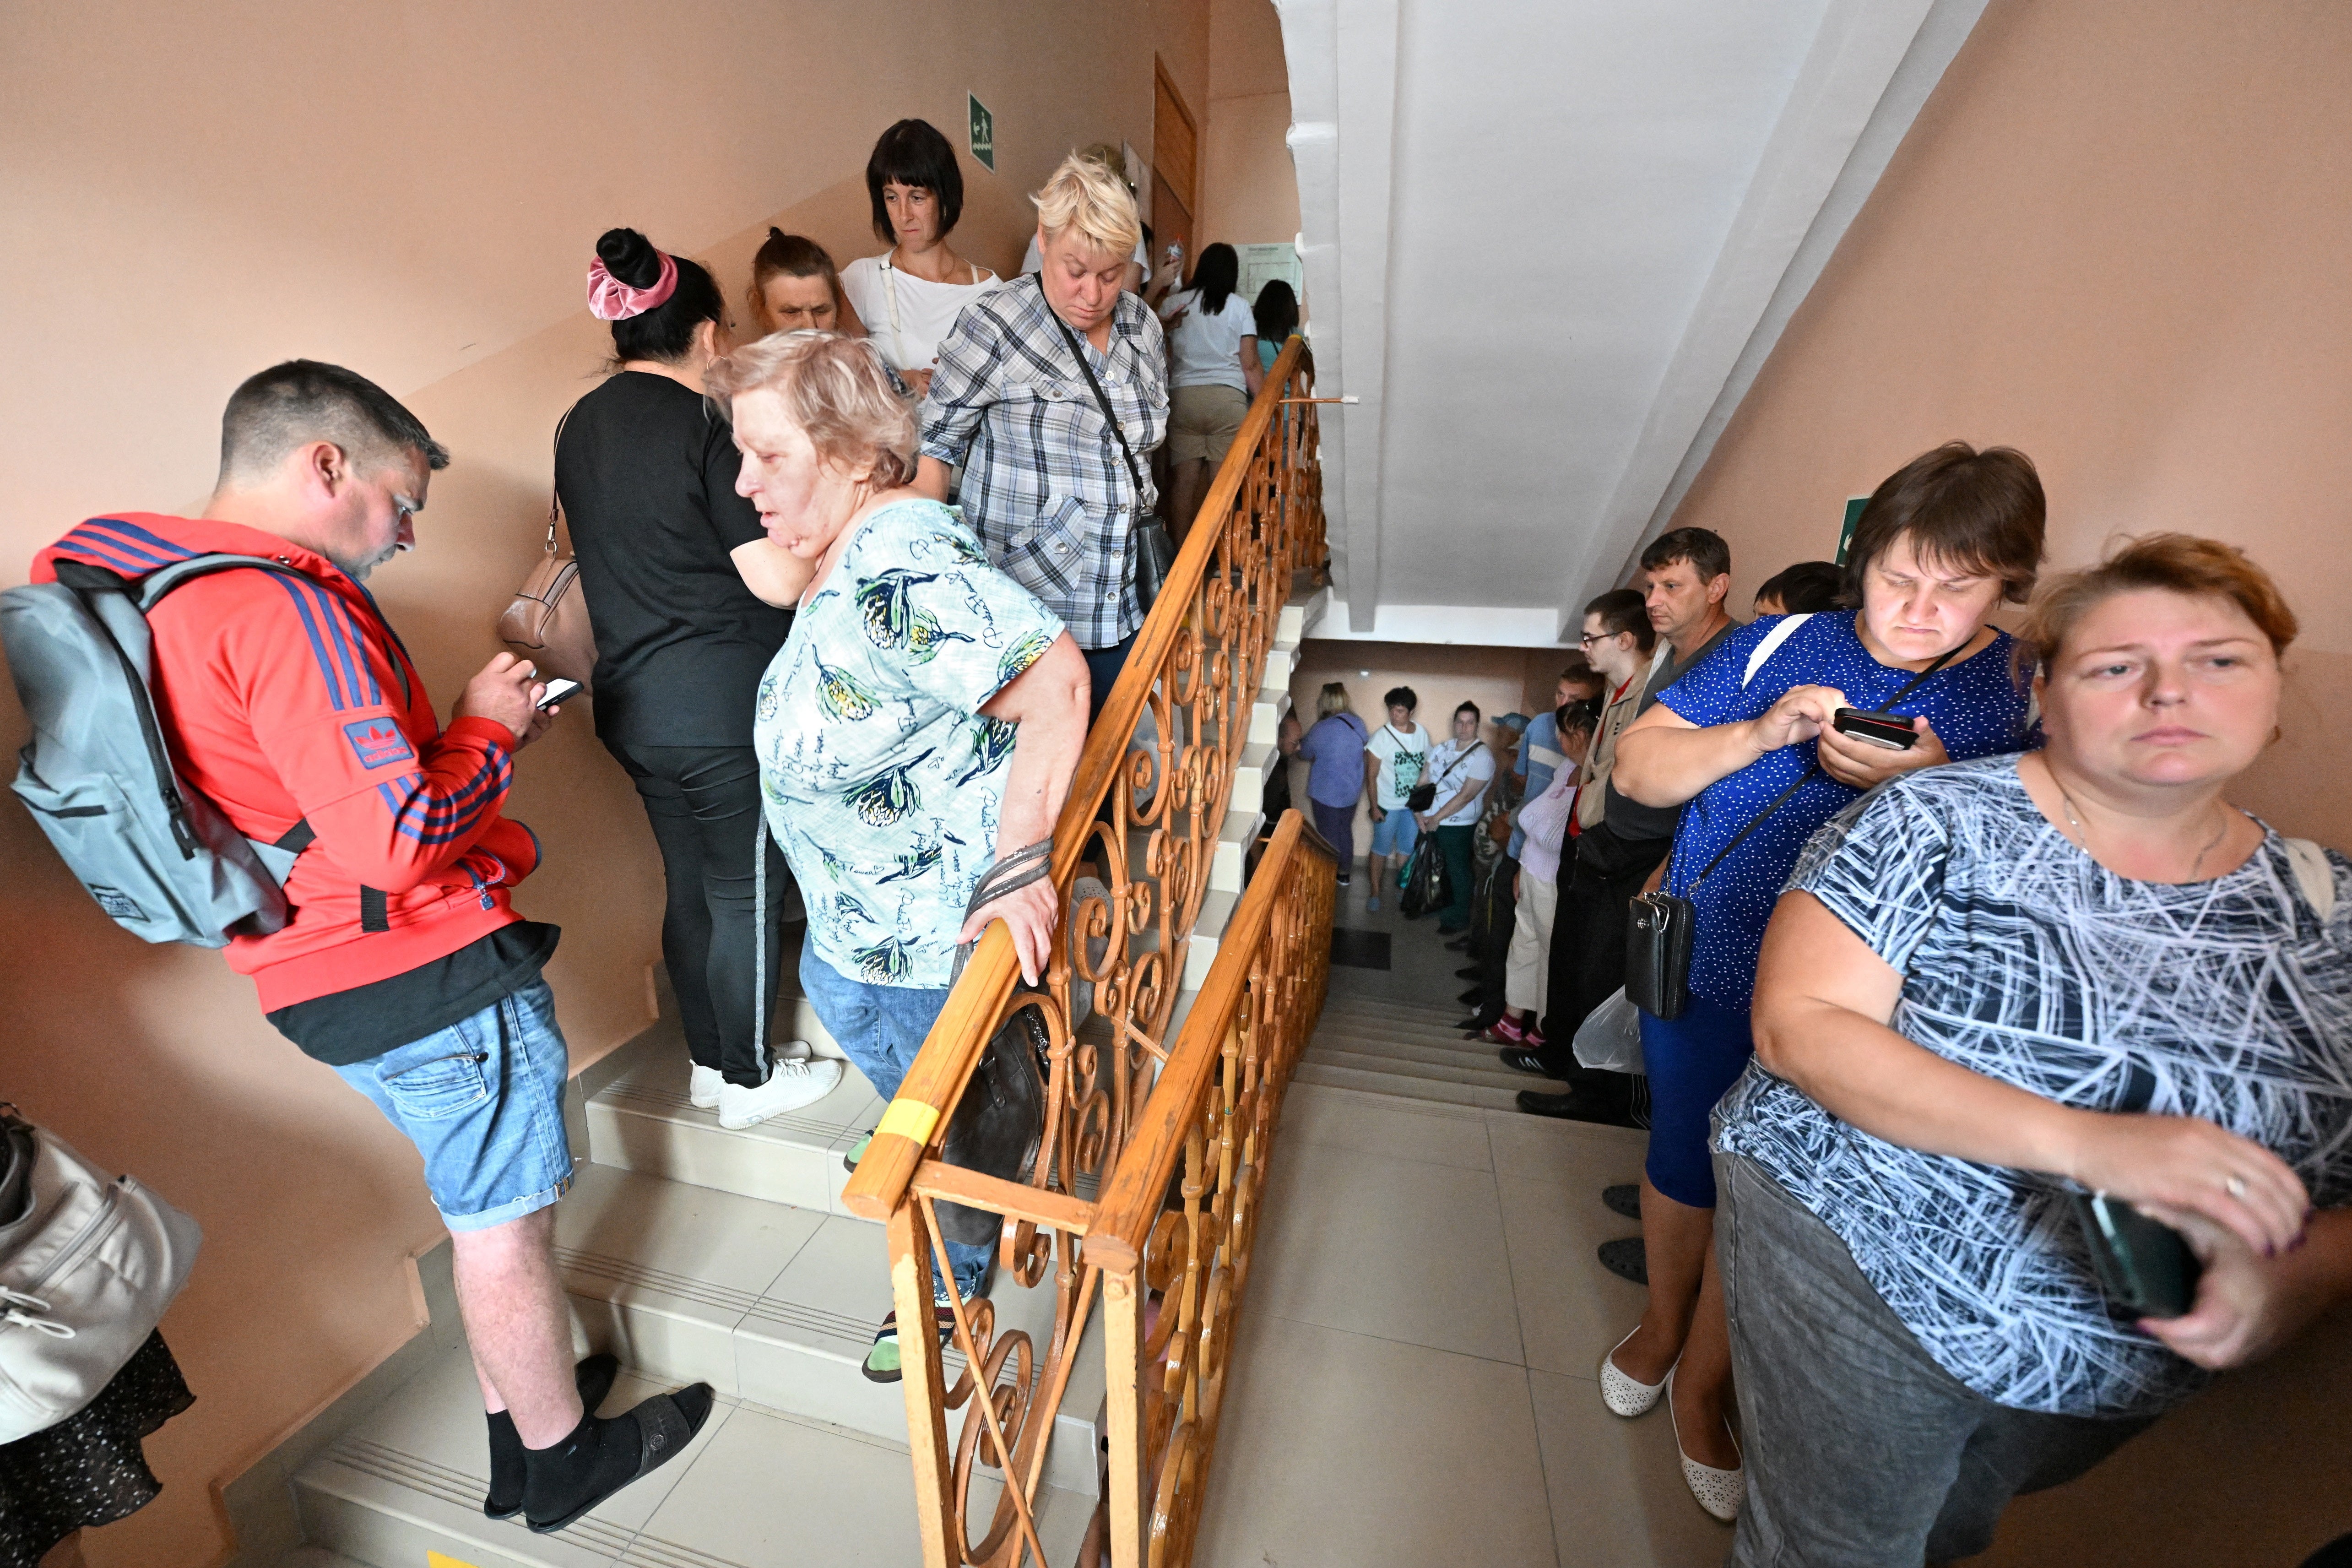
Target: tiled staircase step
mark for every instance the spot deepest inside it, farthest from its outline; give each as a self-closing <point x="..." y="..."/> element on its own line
<point x="1452" y="1050"/>
<point x="1432" y="1015"/>
<point x="756" y="1487"/>
<point x="1399" y="1086"/>
<point x="1493" y="1076"/>
<point x="644" y="1122"/>
<point x="773" y="1304"/>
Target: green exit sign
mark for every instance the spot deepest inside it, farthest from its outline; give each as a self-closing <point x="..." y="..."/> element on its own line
<point x="983" y="132"/>
<point x="1853" y="505"/>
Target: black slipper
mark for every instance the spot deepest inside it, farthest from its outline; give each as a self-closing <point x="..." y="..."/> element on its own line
<point x="662" y="1427"/>
<point x="1625" y="1198"/>
<point x="594" y="1377"/>
<point x="1627" y="1259"/>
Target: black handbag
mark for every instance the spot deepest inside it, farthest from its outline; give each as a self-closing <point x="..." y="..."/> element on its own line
<point x="1150" y="548"/>
<point x="997" y="1125"/>
<point x="1424" y="794"/>
<point x="1427" y="887"/>
<point x="1659" y="926"/>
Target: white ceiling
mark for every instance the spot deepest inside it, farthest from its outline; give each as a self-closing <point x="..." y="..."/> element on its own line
<point x="1548" y="246"/>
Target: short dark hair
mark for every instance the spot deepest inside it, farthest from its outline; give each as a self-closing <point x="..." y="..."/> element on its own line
<point x="1578" y="718"/>
<point x="1704" y="548"/>
<point x="1276" y="314"/>
<point x="1404" y="697"/>
<point x="1216" y="275"/>
<point x="301" y="401"/>
<point x="1624" y="610"/>
<point x="913" y="153"/>
<point x="665" y="332"/>
<point x="1981" y="511"/>
<point x="782" y="255"/>
<point x="1806" y="588"/>
<point x="1469" y="707"/>
<point x="1579" y="670"/>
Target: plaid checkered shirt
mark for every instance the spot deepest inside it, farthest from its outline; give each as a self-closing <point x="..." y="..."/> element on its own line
<point x="1044" y="486"/>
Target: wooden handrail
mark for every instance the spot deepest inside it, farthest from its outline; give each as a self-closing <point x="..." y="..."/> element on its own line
<point x="1131" y="1200"/>
<point x="953" y="1047"/>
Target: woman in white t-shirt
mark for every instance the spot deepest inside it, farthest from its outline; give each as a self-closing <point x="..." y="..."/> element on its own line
<point x="1214" y="371"/>
<point x="1392" y="765"/>
<point x="909" y="296"/>
<point x="1460" y="768"/>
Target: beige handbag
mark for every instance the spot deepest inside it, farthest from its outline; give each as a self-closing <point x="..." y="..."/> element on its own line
<point x="547" y="622"/>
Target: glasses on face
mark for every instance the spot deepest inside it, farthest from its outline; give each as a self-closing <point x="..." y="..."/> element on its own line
<point x="1589" y="638"/>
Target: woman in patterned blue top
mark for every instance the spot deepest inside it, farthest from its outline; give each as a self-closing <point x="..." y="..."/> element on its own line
<point x="922" y="722"/>
<point x="1942" y="542"/>
<point x="1994" y="983"/>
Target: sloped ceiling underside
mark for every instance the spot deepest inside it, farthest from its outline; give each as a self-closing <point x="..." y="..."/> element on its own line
<point x="1548" y="246"/>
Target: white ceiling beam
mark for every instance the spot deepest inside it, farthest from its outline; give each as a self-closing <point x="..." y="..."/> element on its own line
<point x="1871" y="66"/>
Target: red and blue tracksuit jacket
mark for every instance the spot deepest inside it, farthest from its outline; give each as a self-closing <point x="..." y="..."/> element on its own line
<point x="284" y="700"/>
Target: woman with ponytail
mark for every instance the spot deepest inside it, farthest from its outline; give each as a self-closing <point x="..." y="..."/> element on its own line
<point x="689" y="601"/>
<point x="1215" y="372"/>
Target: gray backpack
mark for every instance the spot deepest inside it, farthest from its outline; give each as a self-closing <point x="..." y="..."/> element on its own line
<point x="158" y="857"/>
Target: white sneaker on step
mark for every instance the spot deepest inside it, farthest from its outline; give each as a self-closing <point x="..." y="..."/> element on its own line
<point x="1624" y="1395"/>
<point x="705" y="1087"/>
<point x="1720" y="1492"/>
<point x="792" y="1082"/>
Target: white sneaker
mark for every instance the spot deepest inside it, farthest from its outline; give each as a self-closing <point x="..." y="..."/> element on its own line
<point x="792" y="1082"/>
<point x="704" y="1088"/>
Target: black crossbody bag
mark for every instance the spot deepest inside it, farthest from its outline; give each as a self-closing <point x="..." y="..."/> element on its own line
<point x="1659" y="925"/>
<point x="1424" y="794"/>
<point x="1150" y="548"/>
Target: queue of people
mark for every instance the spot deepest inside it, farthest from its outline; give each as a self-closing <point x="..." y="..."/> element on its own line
<point x="839" y="700"/>
<point x="1973" y="932"/>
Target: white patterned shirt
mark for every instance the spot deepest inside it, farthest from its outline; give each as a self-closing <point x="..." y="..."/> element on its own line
<point x="883" y="780"/>
<point x="2025" y="960"/>
<point x="1044" y="485"/>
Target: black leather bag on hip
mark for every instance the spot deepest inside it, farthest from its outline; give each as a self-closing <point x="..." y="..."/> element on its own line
<point x="999" y="1119"/>
<point x="1150" y="548"/>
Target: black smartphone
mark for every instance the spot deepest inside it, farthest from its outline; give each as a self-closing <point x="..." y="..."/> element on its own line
<point x="2145" y="1267"/>
<point x="1892" y="731"/>
<point x="557" y="690"/>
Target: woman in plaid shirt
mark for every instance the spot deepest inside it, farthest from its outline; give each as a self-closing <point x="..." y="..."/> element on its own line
<point x="1050" y="486"/>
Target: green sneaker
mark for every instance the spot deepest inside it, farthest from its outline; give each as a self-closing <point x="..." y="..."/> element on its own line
<point x="882" y="1358"/>
<point x="856" y="1153"/>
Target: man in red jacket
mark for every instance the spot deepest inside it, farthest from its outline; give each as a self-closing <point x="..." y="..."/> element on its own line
<point x="288" y="701"/>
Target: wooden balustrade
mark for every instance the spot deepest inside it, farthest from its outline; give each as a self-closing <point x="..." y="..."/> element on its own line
<point x="1106" y="1210"/>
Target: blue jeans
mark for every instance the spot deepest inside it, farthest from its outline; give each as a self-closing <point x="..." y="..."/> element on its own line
<point x="881" y="1028"/>
<point x="483" y="1103"/>
<point x="1395" y="833"/>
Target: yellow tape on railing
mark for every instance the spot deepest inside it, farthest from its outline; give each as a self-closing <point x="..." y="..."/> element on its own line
<point x="909" y="1118"/>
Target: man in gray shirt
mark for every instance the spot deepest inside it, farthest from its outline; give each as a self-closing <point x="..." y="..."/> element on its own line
<point x="1689" y="575"/>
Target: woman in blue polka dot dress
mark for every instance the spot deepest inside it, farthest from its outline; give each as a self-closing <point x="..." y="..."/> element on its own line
<point x="1940" y="545"/>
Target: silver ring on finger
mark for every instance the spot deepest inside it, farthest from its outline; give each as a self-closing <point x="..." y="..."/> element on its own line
<point x="2236" y="1187"/>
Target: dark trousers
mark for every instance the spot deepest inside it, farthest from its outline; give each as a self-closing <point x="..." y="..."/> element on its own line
<point x="1588" y="935"/>
<point x="1103" y="665"/>
<point x="1493" y="917"/>
<point x="1336" y="824"/>
<point x="704" y="805"/>
<point x="1454" y="843"/>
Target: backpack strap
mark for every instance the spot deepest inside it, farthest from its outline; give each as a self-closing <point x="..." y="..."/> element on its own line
<point x="2313" y="874"/>
<point x="1771" y="645"/>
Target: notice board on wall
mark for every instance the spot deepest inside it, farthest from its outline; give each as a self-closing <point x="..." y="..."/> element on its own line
<point x="1261" y="264"/>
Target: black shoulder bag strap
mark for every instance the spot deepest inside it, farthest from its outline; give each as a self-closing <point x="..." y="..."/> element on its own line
<point x="1102" y="401"/>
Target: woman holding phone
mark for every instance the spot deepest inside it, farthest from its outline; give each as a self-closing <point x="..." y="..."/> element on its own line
<point x="1995" y="985"/>
<point x="1751" y="738"/>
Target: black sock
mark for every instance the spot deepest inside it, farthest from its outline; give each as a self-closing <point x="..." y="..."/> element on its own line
<point x="561" y="1476"/>
<point x="506" y="1466"/>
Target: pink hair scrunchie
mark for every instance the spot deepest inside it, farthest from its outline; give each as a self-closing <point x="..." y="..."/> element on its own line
<point x="609" y="299"/>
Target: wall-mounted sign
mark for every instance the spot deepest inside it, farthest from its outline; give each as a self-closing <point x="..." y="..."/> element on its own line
<point x="1853" y="505"/>
<point x="983" y="134"/>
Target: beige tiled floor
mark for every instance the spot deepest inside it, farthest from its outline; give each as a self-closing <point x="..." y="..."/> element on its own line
<point x="1413" y="1382"/>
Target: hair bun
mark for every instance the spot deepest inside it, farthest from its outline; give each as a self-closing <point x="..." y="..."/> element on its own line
<point x="629" y="256"/>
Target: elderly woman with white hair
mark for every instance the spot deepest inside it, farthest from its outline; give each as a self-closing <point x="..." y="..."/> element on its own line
<point x="919" y="726"/>
<point x="1052" y="391"/>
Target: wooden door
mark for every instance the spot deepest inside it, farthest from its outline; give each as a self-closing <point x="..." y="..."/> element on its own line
<point x="1175" y="167"/>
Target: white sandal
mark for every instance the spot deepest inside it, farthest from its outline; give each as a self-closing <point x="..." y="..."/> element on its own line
<point x="1624" y="1395"/>
<point x="1720" y="1492"/>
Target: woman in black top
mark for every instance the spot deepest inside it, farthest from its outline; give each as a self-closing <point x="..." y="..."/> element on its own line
<point x="685" y="590"/>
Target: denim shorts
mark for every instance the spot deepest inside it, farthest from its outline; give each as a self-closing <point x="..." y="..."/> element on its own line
<point x="483" y="1103"/>
<point x="1395" y="833"/>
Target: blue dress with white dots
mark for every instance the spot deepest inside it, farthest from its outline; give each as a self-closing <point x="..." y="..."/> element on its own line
<point x="1975" y="705"/>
